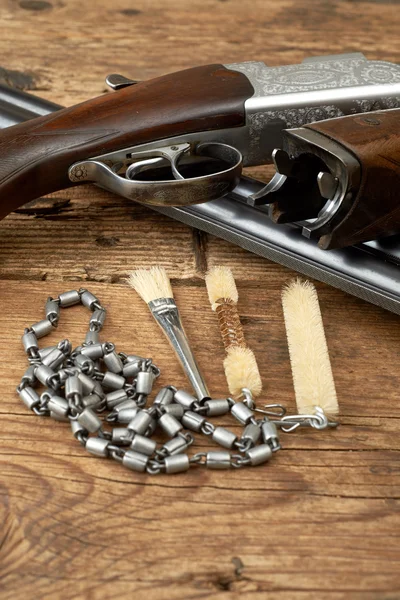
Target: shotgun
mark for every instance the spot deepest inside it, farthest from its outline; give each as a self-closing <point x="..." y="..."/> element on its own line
<point x="198" y="147"/>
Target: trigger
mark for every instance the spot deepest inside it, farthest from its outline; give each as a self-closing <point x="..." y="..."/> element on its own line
<point x="143" y="165"/>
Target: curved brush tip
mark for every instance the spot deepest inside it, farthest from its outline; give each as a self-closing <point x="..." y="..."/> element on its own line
<point x="241" y="371"/>
<point x="221" y="285"/>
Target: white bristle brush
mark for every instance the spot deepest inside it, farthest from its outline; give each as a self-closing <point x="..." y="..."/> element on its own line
<point x="153" y="285"/>
<point x="311" y="368"/>
<point x="240" y="365"/>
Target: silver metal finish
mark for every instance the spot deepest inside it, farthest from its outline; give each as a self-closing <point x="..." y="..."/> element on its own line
<point x="144" y="382"/>
<point x="224" y="437"/>
<point x="218" y="460"/>
<point x="93" y="351"/>
<point x="143" y="445"/>
<point x="242" y="413"/>
<point x="172" y="192"/>
<point x="135" y="460"/>
<point x="131" y="369"/>
<point x="121" y="436"/>
<point x="251" y="433"/>
<point x="125" y="405"/>
<point x="92" y="337"/>
<point x="69" y="298"/>
<point x="259" y="454"/>
<point x="97" y="446"/>
<point x="29" y="397"/>
<point x="42" y="328"/>
<point x="185" y="399"/>
<point x="89" y="420"/>
<point x="115" y="81"/>
<point x="127" y="415"/>
<point x="113" y="381"/>
<point x="113" y="362"/>
<point x="174" y="446"/>
<point x="164" y="397"/>
<point x="87" y="384"/>
<point x="170" y="425"/>
<point x="193" y="421"/>
<point x="216" y="408"/>
<point x="270" y="435"/>
<point x="177" y="464"/>
<point x="29" y="341"/>
<point x="116" y="397"/>
<point x="165" y="312"/>
<point x="54" y="358"/>
<point x="141" y="422"/>
<point x="73" y="387"/>
<point x="58" y="405"/>
<point x="45" y="375"/>
<point x="92" y="401"/>
<point x="327" y="185"/>
<point x="176" y="410"/>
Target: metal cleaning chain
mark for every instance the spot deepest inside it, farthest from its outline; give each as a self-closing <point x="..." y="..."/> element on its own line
<point x="93" y="379"/>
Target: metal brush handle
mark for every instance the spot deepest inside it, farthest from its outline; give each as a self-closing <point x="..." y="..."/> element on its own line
<point x="166" y="314"/>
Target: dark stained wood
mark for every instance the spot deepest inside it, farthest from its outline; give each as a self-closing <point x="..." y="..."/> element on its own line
<point x="35" y="156"/>
<point x="321" y="521"/>
<point x="375" y="141"/>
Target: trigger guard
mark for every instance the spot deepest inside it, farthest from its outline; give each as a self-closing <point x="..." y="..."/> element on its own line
<point x="175" y="192"/>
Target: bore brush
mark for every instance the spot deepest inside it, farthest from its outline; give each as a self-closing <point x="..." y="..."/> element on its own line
<point x="154" y="287"/>
<point x="241" y="369"/>
<point x="311" y="368"/>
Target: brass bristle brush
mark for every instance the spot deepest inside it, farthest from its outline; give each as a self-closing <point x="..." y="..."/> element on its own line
<point x="311" y="367"/>
<point x="240" y="364"/>
<point x="153" y="285"/>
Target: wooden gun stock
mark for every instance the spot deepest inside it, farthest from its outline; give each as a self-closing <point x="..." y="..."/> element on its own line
<point x="35" y="156"/>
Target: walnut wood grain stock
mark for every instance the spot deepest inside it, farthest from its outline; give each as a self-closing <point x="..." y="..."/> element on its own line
<point x="35" y="156"/>
<point x="375" y="140"/>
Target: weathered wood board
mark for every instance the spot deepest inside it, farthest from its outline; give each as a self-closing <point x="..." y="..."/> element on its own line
<point x="322" y="519"/>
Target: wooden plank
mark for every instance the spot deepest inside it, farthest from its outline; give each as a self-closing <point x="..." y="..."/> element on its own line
<point x="321" y="520"/>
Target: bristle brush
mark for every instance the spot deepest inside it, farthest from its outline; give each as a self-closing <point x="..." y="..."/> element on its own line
<point x="154" y="287"/>
<point x="309" y="358"/>
<point x="241" y="369"/>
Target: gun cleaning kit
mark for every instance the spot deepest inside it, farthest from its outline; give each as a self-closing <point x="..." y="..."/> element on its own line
<point x="330" y="126"/>
<point x="93" y="386"/>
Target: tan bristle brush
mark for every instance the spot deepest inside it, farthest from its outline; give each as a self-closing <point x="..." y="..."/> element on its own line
<point x="311" y="368"/>
<point x="154" y="286"/>
<point x="240" y="364"/>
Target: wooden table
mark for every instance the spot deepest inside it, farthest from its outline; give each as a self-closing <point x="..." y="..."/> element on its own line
<point x="321" y="520"/>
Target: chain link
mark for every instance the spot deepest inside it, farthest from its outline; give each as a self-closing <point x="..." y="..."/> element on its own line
<point x="89" y="380"/>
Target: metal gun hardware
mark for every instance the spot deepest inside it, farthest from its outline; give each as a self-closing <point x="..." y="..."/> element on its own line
<point x="284" y="98"/>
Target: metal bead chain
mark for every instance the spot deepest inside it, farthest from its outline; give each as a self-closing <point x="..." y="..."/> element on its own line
<point x="93" y="385"/>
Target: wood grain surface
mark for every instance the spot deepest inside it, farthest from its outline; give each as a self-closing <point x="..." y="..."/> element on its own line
<point x="321" y="521"/>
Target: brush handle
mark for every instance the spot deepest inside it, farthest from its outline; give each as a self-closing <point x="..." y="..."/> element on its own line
<point x="166" y="314"/>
